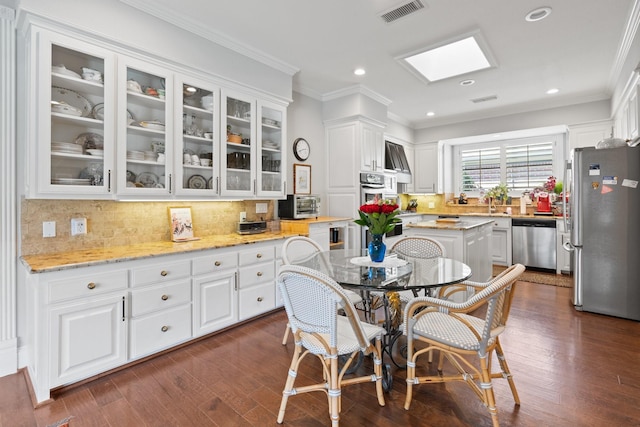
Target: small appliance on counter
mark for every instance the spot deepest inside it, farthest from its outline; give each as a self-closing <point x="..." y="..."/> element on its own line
<point x="298" y="207"/>
<point x="252" y="227"/>
<point x="544" y="203"/>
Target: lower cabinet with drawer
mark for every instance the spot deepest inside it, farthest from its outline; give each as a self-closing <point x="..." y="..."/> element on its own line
<point x="84" y="321"/>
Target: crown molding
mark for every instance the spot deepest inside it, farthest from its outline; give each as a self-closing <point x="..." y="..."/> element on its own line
<point x="356" y="90"/>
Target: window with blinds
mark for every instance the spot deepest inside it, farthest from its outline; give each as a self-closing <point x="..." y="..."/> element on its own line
<point x="522" y="166"/>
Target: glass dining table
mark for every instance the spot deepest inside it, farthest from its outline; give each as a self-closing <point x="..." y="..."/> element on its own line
<point x="379" y="284"/>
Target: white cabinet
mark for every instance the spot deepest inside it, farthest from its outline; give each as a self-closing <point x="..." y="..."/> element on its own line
<point x="145" y="123"/>
<point x="425" y="173"/>
<point x="196" y="133"/>
<point x="501" y="241"/>
<point x="564" y="257"/>
<point x="330" y="235"/>
<point x="69" y="119"/>
<point x="215" y="291"/>
<point x="253" y="159"/>
<point x="256" y="277"/>
<point x="372" y="148"/>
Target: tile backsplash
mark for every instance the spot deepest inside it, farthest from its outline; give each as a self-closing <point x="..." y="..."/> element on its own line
<point x="111" y="223"/>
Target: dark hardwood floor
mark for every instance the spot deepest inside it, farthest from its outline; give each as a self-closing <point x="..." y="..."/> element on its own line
<point x="570" y="368"/>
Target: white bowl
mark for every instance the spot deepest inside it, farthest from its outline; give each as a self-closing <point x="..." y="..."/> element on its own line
<point x="95" y="152"/>
<point x="207" y="102"/>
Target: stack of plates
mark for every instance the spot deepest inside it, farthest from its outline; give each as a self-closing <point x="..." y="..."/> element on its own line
<point x="135" y="155"/>
<point x="71" y="181"/>
<point x="270" y="144"/>
<point x="66" y="147"/>
<point x="150" y="156"/>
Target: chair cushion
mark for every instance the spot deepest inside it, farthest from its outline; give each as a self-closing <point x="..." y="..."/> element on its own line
<point x="347" y="341"/>
<point x="450" y="331"/>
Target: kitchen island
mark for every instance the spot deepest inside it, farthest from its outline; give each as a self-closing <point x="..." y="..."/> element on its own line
<point x="466" y="240"/>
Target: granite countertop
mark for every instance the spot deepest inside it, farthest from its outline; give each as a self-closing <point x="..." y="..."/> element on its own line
<point x="452" y="225"/>
<point x="483" y="214"/>
<point x="83" y="258"/>
<point x="314" y="220"/>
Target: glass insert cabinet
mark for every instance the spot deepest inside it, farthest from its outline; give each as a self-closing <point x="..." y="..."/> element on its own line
<point x="110" y="125"/>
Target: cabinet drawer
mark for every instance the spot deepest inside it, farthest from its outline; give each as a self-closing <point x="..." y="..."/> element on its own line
<point x="501" y="222"/>
<point x="89" y="285"/>
<point x="257" y="300"/>
<point x="252" y="256"/>
<point x="159" y="273"/>
<point x="160" y="330"/>
<point x="159" y="297"/>
<point x="215" y="262"/>
<point x="255" y="274"/>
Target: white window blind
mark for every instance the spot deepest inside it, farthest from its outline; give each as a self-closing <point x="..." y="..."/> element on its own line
<point x="528" y="166"/>
<point x="480" y="168"/>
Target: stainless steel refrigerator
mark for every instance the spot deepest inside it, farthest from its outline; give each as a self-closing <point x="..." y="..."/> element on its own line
<point x="604" y="220"/>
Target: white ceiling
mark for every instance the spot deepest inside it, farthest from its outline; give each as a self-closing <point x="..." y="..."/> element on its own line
<point x="575" y="49"/>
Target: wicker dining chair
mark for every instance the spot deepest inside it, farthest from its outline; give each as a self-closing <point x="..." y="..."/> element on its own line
<point x="298" y="249"/>
<point x="312" y="300"/>
<point x="454" y="330"/>
<point x="417" y="247"/>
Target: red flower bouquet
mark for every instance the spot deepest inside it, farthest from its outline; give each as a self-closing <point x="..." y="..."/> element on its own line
<point x="380" y="216"/>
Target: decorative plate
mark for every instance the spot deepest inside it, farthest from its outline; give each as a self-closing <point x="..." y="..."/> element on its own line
<point x="147" y="179"/>
<point x="197" y="182"/>
<point x="64" y="108"/>
<point x="131" y="177"/>
<point x="90" y="140"/>
<point x="153" y="124"/>
<point x="72" y="98"/>
<point x="210" y="183"/>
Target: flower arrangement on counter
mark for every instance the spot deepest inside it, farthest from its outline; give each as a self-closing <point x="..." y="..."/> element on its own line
<point x="499" y="192"/>
<point x="380" y="216"/>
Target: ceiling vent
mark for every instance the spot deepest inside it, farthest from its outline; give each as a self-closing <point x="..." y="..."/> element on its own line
<point x="485" y="99"/>
<point x="401" y="11"/>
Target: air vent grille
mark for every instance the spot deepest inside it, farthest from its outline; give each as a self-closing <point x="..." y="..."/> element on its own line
<point x="402" y="11"/>
<point x="484" y="99"/>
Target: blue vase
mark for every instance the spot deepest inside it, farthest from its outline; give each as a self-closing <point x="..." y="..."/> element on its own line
<point x="377" y="248"/>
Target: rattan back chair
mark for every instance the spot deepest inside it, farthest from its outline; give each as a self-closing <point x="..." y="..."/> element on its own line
<point x="298" y="249"/>
<point x="417" y="247"/>
<point x="312" y="301"/>
<point x="452" y="329"/>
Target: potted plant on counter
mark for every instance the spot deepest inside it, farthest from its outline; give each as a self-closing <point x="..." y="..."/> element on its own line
<point x="499" y="192"/>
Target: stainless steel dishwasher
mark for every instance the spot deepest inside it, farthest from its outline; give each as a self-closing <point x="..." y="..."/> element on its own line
<point x="534" y="242"/>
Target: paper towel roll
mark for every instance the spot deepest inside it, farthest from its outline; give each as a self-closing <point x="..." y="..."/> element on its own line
<point x="523" y="205"/>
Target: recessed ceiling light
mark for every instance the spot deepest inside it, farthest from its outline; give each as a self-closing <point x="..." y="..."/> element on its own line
<point x="453" y="59"/>
<point x="538" y="14"/>
<point x="431" y="114"/>
<point x="553" y="91"/>
<point x="467" y="82"/>
<point x="359" y="72"/>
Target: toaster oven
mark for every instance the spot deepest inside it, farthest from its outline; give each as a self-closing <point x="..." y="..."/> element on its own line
<point x="298" y="206"/>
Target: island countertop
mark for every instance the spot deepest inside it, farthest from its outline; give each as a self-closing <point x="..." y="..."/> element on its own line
<point x="450" y="224"/>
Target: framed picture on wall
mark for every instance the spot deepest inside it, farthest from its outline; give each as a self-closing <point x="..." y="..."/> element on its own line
<point x="301" y="179"/>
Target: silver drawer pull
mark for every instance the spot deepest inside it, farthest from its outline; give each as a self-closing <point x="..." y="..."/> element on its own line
<point x="164" y="273"/>
<point x="259" y="299"/>
<point x="258" y="255"/>
<point x="91" y="285"/>
<point x="164" y="297"/>
<point x="259" y="273"/>
<point x="217" y="263"/>
<point x="164" y="328"/>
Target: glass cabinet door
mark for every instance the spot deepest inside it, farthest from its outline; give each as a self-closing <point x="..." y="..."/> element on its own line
<point x="238" y="156"/>
<point x="272" y="140"/>
<point x="75" y="139"/>
<point x="144" y="121"/>
<point x="197" y="137"/>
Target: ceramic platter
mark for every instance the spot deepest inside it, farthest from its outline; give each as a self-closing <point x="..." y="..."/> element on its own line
<point x="147" y="179"/>
<point x="61" y="69"/>
<point x="210" y="183"/>
<point x="197" y="182"/>
<point x="66" y="96"/>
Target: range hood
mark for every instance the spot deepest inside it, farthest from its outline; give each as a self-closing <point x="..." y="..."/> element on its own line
<point x="396" y="160"/>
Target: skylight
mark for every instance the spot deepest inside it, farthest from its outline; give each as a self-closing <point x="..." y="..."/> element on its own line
<point x="453" y="59"/>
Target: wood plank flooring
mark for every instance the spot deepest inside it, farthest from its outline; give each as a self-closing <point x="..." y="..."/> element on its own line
<point x="570" y="368"/>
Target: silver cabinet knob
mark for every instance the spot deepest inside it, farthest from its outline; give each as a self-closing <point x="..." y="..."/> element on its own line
<point x="91" y="285"/>
<point x="164" y="297"/>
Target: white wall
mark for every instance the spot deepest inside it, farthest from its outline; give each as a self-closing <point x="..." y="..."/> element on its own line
<point x="573" y="114"/>
<point x="304" y="117"/>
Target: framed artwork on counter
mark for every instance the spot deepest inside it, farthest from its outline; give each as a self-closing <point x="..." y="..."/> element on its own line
<point x="181" y="224"/>
<point x="301" y="179"/>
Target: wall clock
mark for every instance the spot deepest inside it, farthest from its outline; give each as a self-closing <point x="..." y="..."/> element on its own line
<point x="301" y="149"/>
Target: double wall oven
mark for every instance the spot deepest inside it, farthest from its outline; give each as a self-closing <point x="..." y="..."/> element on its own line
<point x="372" y="186"/>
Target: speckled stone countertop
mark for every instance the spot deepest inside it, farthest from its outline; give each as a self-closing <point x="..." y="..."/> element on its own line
<point x="460" y="225"/>
<point x="483" y="214"/>
<point x="301" y="226"/>
<point x="83" y="258"/>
